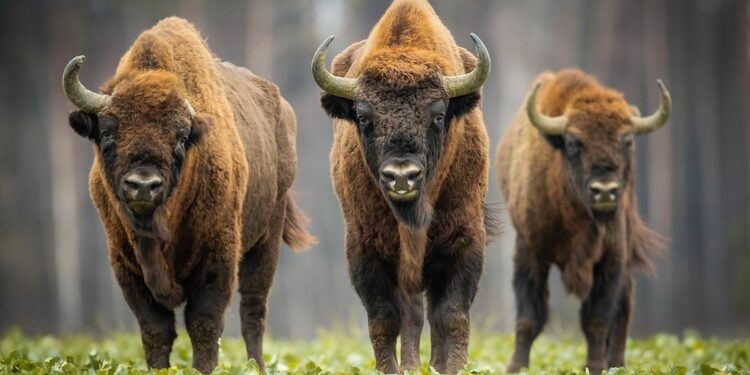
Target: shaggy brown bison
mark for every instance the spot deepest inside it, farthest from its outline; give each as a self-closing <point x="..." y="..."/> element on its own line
<point x="566" y="168"/>
<point x="193" y="162"/>
<point x="410" y="168"/>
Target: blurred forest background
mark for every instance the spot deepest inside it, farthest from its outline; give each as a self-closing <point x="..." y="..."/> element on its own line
<point x="693" y="175"/>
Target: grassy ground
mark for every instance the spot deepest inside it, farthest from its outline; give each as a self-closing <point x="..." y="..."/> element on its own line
<point x="339" y="353"/>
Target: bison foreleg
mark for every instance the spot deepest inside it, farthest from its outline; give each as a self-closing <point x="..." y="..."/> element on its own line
<point x="374" y="281"/>
<point x="256" y="276"/>
<point x="156" y="321"/>
<point x="598" y="309"/>
<point x="618" y="329"/>
<point x="412" y="320"/>
<point x="208" y="297"/>
<point x="451" y="286"/>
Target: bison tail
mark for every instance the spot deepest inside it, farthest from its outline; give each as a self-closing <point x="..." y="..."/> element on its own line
<point x="295" y="233"/>
<point x="643" y="244"/>
<point x="493" y="226"/>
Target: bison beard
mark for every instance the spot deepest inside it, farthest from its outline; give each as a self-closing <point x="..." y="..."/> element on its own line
<point x="416" y="215"/>
<point x="183" y="217"/>
<point x="155" y="228"/>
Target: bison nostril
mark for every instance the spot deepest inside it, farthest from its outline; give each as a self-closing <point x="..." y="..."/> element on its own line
<point x="156" y="184"/>
<point x="414" y="175"/>
<point x="131" y="185"/>
<point x="387" y="175"/>
<point x="142" y="186"/>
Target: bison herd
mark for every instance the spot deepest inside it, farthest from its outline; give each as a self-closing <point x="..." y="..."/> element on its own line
<point x="194" y="159"/>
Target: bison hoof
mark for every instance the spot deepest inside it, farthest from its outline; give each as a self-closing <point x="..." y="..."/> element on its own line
<point x="596" y="368"/>
<point x="514" y="367"/>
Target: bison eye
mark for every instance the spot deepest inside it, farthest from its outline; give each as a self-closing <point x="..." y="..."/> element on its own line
<point x="183" y="135"/>
<point x="572" y="146"/>
<point x="628" y="141"/>
<point x="106" y="136"/>
<point x="107" y="130"/>
<point x="362" y="121"/>
<point x="440" y="119"/>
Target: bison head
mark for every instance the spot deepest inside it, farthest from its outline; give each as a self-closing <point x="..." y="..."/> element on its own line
<point x="595" y="134"/>
<point x="141" y="132"/>
<point x="402" y="107"/>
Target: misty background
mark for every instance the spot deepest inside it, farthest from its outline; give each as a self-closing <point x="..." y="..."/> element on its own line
<point x="693" y="175"/>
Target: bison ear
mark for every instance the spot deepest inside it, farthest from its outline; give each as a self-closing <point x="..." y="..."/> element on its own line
<point x="338" y="107"/>
<point x="85" y="124"/>
<point x="199" y="125"/>
<point x="555" y="141"/>
<point x="462" y="105"/>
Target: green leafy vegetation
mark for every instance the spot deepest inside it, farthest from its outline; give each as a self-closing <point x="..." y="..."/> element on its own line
<point x="346" y="353"/>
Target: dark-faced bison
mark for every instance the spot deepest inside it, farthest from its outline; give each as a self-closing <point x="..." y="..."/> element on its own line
<point x="193" y="162"/>
<point x="566" y="168"/>
<point x="410" y="167"/>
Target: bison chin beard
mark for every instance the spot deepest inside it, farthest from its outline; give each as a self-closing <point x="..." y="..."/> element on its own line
<point x="604" y="217"/>
<point x="153" y="226"/>
<point x="416" y="214"/>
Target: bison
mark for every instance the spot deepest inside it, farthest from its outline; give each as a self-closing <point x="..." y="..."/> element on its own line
<point x="193" y="160"/>
<point x="410" y="167"/>
<point x="566" y="168"/>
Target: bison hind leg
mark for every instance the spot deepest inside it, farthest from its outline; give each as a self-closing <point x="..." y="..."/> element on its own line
<point x="493" y="225"/>
<point x="256" y="271"/>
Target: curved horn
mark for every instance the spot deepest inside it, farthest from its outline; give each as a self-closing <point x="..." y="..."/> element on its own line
<point x="545" y="124"/>
<point x="83" y="98"/>
<point x="334" y="85"/>
<point x="657" y="119"/>
<point x="465" y="84"/>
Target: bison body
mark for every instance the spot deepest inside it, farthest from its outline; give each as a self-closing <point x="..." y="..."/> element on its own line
<point x="409" y="165"/>
<point x="566" y="170"/>
<point x="193" y="163"/>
